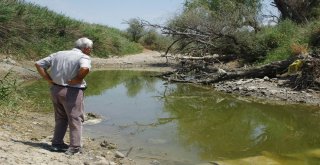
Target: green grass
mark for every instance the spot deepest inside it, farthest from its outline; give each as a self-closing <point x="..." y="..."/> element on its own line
<point x="280" y="39"/>
<point x="29" y="31"/>
<point x="8" y="94"/>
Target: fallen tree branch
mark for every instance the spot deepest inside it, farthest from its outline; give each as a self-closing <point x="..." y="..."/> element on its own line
<point x="270" y="70"/>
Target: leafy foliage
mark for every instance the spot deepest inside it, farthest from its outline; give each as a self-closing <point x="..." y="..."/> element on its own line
<point x="7" y="87"/>
<point x="233" y="28"/>
<point x="135" y="30"/>
<point x="213" y="26"/>
<point x="154" y="41"/>
<point x="9" y="95"/>
<point x="285" y="40"/>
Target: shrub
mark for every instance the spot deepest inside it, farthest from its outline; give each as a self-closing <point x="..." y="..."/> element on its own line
<point x="283" y="41"/>
<point x="135" y="30"/>
<point x="314" y="36"/>
<point x="297" y="49"/>
<point x="7" y="87"/>
<point x="154" y="41"/>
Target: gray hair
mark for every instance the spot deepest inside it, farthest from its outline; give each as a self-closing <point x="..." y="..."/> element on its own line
<point x="84" y="42"/>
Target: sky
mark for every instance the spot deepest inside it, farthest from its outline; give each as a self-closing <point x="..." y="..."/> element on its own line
<point x="114" y="13"/>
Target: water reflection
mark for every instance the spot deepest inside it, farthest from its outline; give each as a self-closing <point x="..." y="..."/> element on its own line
<point x="226" y="128"/>
<point x="194" y="123"/>
<point x="99" y="81"/>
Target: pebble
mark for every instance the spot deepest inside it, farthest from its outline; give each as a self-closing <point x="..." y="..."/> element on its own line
<point x="266" y="78"/>
<point x="119" y="154"/>
<point x="155" y="162"/>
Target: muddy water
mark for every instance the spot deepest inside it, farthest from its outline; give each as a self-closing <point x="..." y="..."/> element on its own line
<point x="186" y="124"/>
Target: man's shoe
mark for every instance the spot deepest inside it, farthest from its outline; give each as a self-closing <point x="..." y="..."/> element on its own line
<point x="59" y="147"/>
<point x="72" y="151"/>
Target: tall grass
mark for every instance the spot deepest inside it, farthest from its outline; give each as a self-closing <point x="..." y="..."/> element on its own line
<point x="30" y="31"/>
<point x="8" y="88"/>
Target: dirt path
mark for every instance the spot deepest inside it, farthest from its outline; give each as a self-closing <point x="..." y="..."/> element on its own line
<point x="148" y="60"/>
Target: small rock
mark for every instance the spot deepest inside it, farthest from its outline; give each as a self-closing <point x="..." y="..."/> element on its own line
<point x="252" y="88"/>
<point x="308" y="95"/>
<point x="35" y="123"/>
<point x="249" y="80"/>
<point x="108" y="145"/>
<point x="112" y="163"/>
<point x="34" y="139"/>
<point x="119" y="154"/>
<point x="310" y="90"/>
<point x="104" y="143"/>
<point x="273" y="91"/>
<point x="9" y="61"/>
<point x="155" y="162"/>
<point x="240" y="82"/>
<point x="112" y="146"/>
<point x="259" y="80"/>
<point x="221" y="71"/>
<point x="93" y="115"/>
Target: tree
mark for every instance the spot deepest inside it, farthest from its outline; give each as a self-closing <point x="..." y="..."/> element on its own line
<point x="135" y="30"/>
<point x="300" y="11"/>
<point x="217" y="6"/>
<point x="214" y="26"/>
<point x="153" y="40"/>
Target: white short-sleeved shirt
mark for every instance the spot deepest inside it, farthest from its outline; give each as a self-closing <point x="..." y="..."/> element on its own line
<point x="65" y="65"/>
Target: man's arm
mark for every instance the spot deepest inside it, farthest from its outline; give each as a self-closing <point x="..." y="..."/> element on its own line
<point x="79" y="78"/>
<point x="43" y="72"/>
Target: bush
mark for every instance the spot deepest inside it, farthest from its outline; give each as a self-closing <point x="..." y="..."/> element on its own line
<point x="135" y="30"/>
<point x="283" y="41"/>
<point x="7" y="87"/>
<point x="298" y="49"/>
<point x="9" y="96"/>
<point x="314" y="38"/>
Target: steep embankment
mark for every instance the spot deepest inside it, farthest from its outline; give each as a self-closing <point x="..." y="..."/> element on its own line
<point x="29" y="31"/>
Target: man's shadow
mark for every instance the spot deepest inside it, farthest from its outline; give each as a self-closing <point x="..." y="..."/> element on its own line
<point x="41" y="145"/>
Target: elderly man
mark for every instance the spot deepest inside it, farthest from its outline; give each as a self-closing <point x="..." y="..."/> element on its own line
<point x="67" y="71"/>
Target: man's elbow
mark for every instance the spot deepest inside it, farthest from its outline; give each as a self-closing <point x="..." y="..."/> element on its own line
<point x="37" y="65"/>
<point x="85" y="70"/>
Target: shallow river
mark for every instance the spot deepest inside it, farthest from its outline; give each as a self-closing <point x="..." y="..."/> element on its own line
<point x="187" y="124"/>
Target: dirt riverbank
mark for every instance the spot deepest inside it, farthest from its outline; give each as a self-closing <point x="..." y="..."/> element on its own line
<point x="25" y="137"/>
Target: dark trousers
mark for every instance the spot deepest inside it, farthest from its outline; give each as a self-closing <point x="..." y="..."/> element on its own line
<point x="68" y="110"/>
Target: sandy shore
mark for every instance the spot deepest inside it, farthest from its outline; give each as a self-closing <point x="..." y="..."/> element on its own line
<point x="148" y="60"/>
